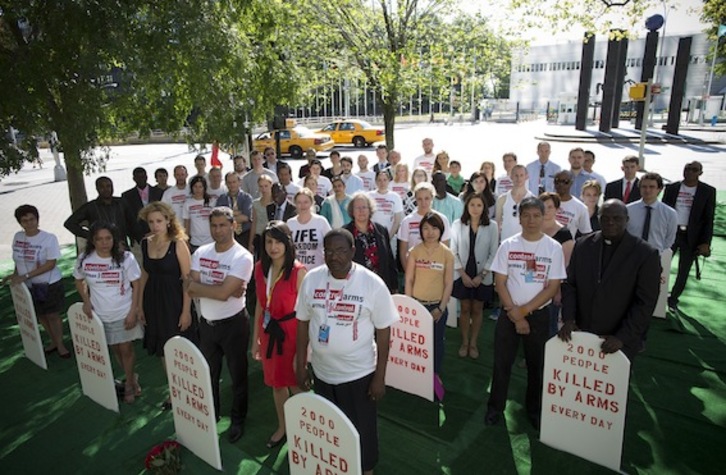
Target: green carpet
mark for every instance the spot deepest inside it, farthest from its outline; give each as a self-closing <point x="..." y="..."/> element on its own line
<point x="676" y="421"/>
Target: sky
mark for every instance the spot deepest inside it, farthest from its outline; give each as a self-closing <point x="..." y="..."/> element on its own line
<point x="683" y="17"/>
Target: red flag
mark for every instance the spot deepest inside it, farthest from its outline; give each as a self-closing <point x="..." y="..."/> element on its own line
<point x="215" y="156"/>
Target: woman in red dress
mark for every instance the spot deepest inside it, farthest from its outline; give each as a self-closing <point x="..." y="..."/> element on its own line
<point x="278" y="276"/>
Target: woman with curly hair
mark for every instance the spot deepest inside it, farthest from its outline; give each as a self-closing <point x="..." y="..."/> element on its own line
<point x="108" y="280"/>
<point x="166" y="308"/>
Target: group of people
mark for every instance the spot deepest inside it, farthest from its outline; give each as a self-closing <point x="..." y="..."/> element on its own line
<point x="317" y="262"/>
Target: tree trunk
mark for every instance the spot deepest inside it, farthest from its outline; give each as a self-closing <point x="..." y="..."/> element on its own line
<point x="76" y="185"/>
<point x="389" y="119"/>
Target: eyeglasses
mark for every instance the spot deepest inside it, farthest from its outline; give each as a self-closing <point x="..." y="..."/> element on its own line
<point x="562" y="182"/>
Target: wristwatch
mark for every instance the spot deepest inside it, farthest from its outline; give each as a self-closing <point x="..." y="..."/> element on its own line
<point x="27" y="276"/>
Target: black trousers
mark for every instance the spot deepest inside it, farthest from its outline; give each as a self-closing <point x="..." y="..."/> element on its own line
<point x="506" y="343"/>
<point x="228" y="338"/>
<point x="685" y="262"/>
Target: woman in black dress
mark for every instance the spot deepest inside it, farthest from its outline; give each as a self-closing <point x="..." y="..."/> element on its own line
<point x="166" y="259"/>
<point x="561" y="234"/>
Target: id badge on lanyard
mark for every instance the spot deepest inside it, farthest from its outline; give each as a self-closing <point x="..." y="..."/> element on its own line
<point x="266" y="316"/>
<point x="324" y="334"/>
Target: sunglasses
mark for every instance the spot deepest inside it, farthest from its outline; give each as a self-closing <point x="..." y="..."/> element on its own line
<point x="514" y="211"/>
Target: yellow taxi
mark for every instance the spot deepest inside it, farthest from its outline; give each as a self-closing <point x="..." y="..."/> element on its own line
<point x="358" y="132"/>
<point x="294" y="141"/>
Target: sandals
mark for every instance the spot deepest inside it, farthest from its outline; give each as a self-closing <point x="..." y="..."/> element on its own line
<point x="473" y="352"/>
<point x="463" y="350"/>
<point x="132" y="390"/>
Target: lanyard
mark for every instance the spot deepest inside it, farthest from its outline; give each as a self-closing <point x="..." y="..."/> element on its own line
<point x="271" y="288"/>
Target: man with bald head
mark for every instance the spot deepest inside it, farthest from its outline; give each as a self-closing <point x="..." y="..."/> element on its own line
<point x="612" y="285"/>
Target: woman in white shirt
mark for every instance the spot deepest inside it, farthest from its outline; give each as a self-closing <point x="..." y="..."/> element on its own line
<point x="35" y="254"/>
<point x="108" y="280"/>
<point x="196" y="213"/>
<point x="474" y="241"/>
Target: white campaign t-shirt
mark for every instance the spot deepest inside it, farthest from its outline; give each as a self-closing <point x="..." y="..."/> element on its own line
<point x="684" y="203"/>
<point x="109" y="284"/>
<point x="213" y="268"/>
<point x="426" y="162"/>
<point x="573" y="214"/>
<point x="369" y="180"/>
<point x="215" y="194"/>
<point x="409" y="232"/>
<point x="308" y="239"/>
<point x="400" y="188"/>
<point x="529" y="265"/>
<point x="352" y="309"/>
<point x="175" y="197"/>
<point x="31" y="252"/>
<point x="387" y="205"/>
<point x="291" y="190"/>
<point x="504" y="184"/>
<point x="325" y="186"/>
<point x="198" y="216"/>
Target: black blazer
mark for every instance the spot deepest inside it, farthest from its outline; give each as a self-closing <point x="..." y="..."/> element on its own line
<point x="700" y="221"/>
<point x="290" y="211"/>
<point x="622" y="300"/>
<point x="614" y="190"/>
<point x="388" y="271"/>
<point x="133" y="203"/>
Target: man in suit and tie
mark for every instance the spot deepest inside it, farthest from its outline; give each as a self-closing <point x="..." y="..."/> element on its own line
<point x="627" y="189"/>
<point x="135" y="199"/>
<point x="695" y="205"/>
<point x="612" y="285"/>
<point x="280" y="209"/>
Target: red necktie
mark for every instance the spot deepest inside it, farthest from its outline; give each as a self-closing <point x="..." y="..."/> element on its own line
<point x="626" y="195"/>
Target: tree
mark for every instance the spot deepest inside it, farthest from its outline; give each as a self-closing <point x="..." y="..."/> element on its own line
<point x="378" y="37"/>
<point x="93" y="70"/>
<point x="714" y="12"/>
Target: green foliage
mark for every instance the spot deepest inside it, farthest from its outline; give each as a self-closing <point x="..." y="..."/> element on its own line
<point x="714" y="12"/>
<point x="589" y="15"/>
<point x="96" y="70"/>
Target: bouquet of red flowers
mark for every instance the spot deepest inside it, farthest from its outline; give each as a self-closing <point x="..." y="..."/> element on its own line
<point x="164" y="458"/>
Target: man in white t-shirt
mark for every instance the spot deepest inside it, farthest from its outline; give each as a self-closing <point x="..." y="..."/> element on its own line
<point x="389" y="207"/>
<point x="528" y="269"/>
<point x="368" y="176"/>
<point x="216" y="188"/>
<point x="572" y="213"/>
<point x="344" y="313"/>
<point x="504" y="182"/>
<point x="426" y="161"/>
<point x="176" y="195"/>
<point x="695" y="204"/>
<point x="220" y="272"/>
<point x="506" y="209"/>
<point x="325" y="186"/>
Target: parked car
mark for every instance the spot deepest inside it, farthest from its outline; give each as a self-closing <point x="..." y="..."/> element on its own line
<point x="294" y="141"/>
<point x="358" y="132"/>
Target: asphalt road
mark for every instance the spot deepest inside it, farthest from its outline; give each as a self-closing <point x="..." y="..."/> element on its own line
<point x="470" y="144"/>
